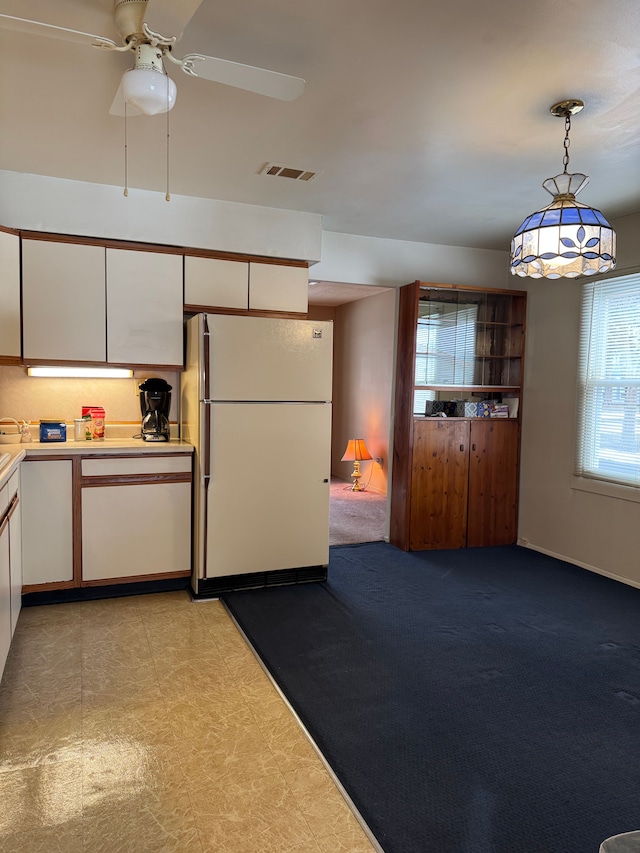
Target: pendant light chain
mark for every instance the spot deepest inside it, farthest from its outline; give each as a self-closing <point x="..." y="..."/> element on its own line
<point x="567" y="143"/>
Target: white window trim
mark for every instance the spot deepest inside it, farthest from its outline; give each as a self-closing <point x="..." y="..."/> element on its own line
<point x="606" y="488"/>
<point x="585" y="482"/>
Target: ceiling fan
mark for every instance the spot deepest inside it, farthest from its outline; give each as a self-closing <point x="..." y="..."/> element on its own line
<point x="146" y="88"/>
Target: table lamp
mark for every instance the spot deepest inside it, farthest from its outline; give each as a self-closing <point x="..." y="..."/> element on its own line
<point x="355" y="452"/>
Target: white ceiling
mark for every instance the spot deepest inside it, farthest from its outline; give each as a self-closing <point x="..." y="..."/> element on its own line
<point x="426" y="122"/>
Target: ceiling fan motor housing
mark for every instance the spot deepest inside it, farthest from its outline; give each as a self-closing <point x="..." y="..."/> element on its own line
<point x="129" y="17"/>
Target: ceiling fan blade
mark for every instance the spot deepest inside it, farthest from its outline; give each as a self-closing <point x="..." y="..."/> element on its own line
<point x="117" y="107"/>
<point x="258" y="80"/>
<point x="170" y="17"/>
<point x="37" y="28"/>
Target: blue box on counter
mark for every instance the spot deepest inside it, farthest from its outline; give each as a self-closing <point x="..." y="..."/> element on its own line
<point x="53" y="431"/>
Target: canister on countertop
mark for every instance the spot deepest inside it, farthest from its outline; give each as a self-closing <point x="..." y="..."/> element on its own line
<point x="53" y="430"/>
<point x="80" y="429"/>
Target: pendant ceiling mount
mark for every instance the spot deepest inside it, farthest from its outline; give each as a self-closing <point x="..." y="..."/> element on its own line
<point x="567" y="108"/>
<point x="566" y="239"/>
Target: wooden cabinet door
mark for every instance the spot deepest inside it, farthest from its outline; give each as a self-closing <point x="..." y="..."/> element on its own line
<point x="439" y="484"/>
<point x="273" y="287"/>
<point x="493" y="482"/>
<point x="144" y="308"/>
<point x="63" y="301"/>
<point x="9" y="295"/>
<point x="215" y="283"/>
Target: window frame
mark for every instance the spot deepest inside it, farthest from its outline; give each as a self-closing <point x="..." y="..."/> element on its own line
<point x="594" y="360"/>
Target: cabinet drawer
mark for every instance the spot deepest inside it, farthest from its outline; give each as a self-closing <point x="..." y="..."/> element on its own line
<point x="136" y="465"/>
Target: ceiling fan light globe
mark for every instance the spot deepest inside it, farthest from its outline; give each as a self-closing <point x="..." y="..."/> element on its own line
<point x="151" y="92"/>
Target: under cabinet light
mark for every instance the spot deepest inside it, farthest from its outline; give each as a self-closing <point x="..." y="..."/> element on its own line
<point x="81" y="372"/>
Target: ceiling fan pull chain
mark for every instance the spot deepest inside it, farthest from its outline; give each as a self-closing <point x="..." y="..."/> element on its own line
<point x="126" y="168"/>
<point x="167" y="196"/>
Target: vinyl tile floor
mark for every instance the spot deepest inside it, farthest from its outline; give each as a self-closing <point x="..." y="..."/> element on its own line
<point x="146" y="724"/>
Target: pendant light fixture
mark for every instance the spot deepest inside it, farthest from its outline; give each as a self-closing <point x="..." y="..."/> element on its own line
<point x="566" y="238"/>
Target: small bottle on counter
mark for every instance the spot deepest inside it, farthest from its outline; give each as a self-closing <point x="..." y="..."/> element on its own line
<point x="79" y="429"/>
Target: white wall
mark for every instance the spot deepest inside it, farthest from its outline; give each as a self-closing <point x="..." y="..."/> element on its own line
<point x="364" y="342"/>
<point x="40" y="203"/>
<point x="392" y="263"/>
<point x="595" y="531"/>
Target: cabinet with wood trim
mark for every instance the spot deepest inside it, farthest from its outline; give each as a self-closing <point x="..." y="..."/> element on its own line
<point x="136" y="518"/>
<point x="15" y="546"/>
<point x="93" y="520"/>
<point x="455" y="479"/>
<point x="10" y="335"/>
<point x="84" y="302"/>
<point x="9" y="565"/>
<point x="47" y="521"/>
<point x="144" y="308"/>
<point x="244" y="285"/>
<point x="273" y="287"/>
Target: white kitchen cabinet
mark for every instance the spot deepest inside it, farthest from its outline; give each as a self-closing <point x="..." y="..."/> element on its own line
<point x="63" y="301"/>
<point x="9" y="295"/>
<point x="47" y="521"/>
<point x="144" y="308"/>
<point x="136" y="517"/>
<point x="273" y="287"/>
<point x="15" y="547"/>
<point x="5" y="586"/>
<point x="216" y="283"/>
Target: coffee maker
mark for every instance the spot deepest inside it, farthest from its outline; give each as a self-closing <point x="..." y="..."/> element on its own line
<point x="155" y="402"/>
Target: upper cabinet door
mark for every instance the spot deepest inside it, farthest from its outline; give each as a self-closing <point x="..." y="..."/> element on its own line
<point x="273" y="287"/>
<point x="63" y="301"/>
<point x="215" y="283"/>
<point x="9" y="294"/>
<point x="144" y="308"/>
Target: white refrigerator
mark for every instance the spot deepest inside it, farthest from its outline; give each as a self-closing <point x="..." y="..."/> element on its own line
<point x="255" y="401"/>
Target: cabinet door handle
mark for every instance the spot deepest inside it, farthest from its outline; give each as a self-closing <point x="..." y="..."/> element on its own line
<point x="462" y="447"/>
<point x="473" y="447"/>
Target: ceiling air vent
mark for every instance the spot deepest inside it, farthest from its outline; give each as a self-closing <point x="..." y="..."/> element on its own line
<point x="287" y="172"/>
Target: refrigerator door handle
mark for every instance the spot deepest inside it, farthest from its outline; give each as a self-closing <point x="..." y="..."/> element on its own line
<point x="206" y="354"/>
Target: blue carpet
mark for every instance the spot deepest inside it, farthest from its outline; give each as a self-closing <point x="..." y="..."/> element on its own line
<point x="472" y="701"/>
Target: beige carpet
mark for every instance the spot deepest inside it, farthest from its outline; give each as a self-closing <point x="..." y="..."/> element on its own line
<point x="355" y="517"/>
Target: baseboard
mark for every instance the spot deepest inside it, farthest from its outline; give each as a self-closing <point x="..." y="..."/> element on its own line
<point x="91" y="593"/>
<point x="524" y="543"/>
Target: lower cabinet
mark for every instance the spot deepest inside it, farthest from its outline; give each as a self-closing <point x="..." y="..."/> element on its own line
<point x="15" y="547"/>
<point x="47" y="519"/>
<point x="10" y="567"/>
<point x="464" y="483"/>
<point x="136" y="518"/>
<point x="94" y="520"/>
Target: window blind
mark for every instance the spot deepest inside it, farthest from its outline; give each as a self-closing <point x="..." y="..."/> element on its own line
<point x="608" y="435"/>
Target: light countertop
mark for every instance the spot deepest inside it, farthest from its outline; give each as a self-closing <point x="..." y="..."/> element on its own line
<point x="15" y="453"/>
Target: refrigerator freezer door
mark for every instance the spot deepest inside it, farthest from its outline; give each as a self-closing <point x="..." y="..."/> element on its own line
<point x="269" y="487"/>
<point x="265" y="359"/>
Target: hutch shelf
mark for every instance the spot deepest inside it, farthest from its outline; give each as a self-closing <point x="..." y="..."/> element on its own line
<point x="455" y="478"/>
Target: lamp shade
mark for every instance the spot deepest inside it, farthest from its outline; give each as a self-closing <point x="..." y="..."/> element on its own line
<point x="356" y="451"/>
<point x="149" y="90"/>
<point x="565" y="239"/>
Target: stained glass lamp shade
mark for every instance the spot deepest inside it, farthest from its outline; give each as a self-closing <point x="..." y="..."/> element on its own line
<point x="566" y="238"/>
